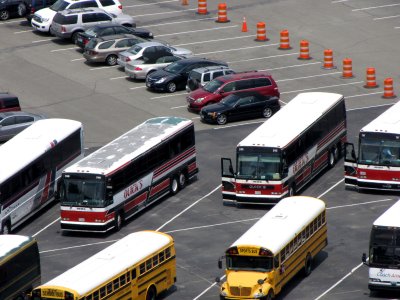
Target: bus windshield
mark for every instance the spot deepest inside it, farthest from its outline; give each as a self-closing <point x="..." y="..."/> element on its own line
<point x="251" y="263"/>
<point x="374" y="151"/>
<point x="385" y="246"/>
<point x="261" y="166"/>
<point x="87" y="193"/>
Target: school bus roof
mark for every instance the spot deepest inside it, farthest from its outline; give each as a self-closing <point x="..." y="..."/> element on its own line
<point x="282" y="223"/>
<point x="290" y="121"/>
<point x="111" y="261"/>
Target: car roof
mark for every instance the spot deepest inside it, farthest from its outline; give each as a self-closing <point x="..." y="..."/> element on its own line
<point x="81" y="10"/>
<point x="150" y="44"/>
<point x="244" y="75"/>
<point x="16" y="113"/>
<point x="210" y="68"/>
<point x="116" y="37"/>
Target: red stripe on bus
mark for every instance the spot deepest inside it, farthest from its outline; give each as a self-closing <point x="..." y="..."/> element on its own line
<point x="135" y="201"/>
<point x="159" y="187"/>
<point x="87" y="216"/>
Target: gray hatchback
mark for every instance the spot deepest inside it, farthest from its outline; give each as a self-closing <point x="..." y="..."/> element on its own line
<point x="68" y="23"/>
<point x="13" y="122"/>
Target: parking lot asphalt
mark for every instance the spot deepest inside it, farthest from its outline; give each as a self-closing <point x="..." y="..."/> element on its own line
<point x="50" y="77"/>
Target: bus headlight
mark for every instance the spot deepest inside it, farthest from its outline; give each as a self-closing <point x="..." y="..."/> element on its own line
<point x="258" y="295"/>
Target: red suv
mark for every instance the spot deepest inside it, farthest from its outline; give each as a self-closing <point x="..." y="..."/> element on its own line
<point x="223" y="86"/>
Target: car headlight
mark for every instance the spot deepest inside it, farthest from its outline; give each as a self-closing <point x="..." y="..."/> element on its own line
<point x="150" y="34"/>
<point x="199" y="100"/>
<point x="45" y="19"/>
<point x="161" y="80"/>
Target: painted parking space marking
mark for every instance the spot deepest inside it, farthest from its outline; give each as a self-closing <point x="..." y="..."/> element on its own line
<point x="23" y="31"/>
<point x="137" y="87"/>
<point x="375" y="7"/>
<point x="78" y="59"/>
<point x="178" y="22"/>
<point x="292" y="66"/>
<point x="64" y="49"/>
<point x="45" y="40"/>
<point x="120" y="77"/>
<point x="388" y="17"/>
<point x="200" y="30"/>
<point x="310" y="76"/>
<point x="211" y="41"/>
<point x="148" y="4"/>
<point x="166" y="12"/>
<point x="167" y="96"/>
<point x="236" y="49"/>
<point x="262" y="57"/>
<point x="103" y="68"/>
<point x="321" y="87"/>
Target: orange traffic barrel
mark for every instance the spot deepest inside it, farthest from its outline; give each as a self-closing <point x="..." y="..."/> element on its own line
<point x="185" y="2"/>
<point x="202" y="7"/>
<point x="371" y="79"/>
<point x="222" y="14"/>
<point x="261" y="32"/>
<point x="388" y="92"/>
<point x="285" y="44"/>
<point x="328" y="59"/>
<point x="347" y="68"/>
<point x="304" y="50"/>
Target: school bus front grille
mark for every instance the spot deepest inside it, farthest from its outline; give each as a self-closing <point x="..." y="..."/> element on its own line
<point x="240" y="291"/>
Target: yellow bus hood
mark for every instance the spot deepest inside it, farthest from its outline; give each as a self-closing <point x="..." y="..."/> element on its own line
<point x="245" y="278"/>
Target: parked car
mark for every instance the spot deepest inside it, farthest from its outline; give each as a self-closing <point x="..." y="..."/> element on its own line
<point x="12" y="123"/>
<point x="67" y="24"/>
<point x="10" y="8"/>
<point x="241" y="105"/>
<point x="9" y="102"/>
<point x="102" y="30"/>
<point x="138" y="50"/>
<point x="139" y="69"/>
<point x="106" y="49"/>
<point x="199" y="77"/>
<point x="223" y="86"/>
<point x="43" y="18"/>
<point x="174" y="76"/>
<point x="36" y="5"/>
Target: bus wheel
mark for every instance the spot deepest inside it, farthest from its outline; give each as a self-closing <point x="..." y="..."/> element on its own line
<point x="333" y="154"/>
<point x="174" y="185"/>
<point x="118" y="221"/>
<point x="151" y="293"/>
<point x="292" y="190"/>
<point x="182" y="180"/>
<point x="6" y="228"/>
<point x="308" y="265"/>
<point x="270" y="295"/>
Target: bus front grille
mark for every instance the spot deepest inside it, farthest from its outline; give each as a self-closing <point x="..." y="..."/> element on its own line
<point x="240" y="291"/>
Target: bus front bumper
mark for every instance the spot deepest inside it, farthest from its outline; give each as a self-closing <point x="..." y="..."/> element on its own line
<point x="87" y="227"/>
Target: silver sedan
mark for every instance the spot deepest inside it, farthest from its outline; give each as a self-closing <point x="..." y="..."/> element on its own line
<point x="138" y="69"/>
<point x="13" y="122"/>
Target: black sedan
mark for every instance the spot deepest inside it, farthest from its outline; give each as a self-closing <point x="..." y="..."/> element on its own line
<point x="102" y="30"/>
<point x="241" y="105"/>
<point x="174" y="76"/>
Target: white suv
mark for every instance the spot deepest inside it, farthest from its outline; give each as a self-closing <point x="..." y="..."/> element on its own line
<point x="42" y="18"/>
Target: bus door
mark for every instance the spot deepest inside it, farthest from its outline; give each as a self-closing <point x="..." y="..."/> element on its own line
<point x="228" y="175"/>
<point x="350" y="165"/>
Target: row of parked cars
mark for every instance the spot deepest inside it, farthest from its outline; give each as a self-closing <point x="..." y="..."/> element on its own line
<point x="106" y="35"/>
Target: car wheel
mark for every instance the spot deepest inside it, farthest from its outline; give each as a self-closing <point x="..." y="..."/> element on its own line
<point x="221" y="119"/>
<point x="4" y="15"/>
<point x="182" y="180"/>
<point x="267" y="112"/>
<point x="111" y="60"/>
<point x="75" y="37"/>
<point x="171" y="87"/>
<point x="174" y="185"/>
<point x="21" y="9"/>
<point x="118" y="222"/>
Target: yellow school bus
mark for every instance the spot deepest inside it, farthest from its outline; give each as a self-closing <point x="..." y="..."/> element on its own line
<point x="274" y="249"/>
<point x="139" y="266"/>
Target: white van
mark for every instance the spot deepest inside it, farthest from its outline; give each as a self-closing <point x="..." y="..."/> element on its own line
<point x="42" y="18"/>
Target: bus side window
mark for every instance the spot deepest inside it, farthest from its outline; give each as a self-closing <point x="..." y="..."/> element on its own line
<point x="276" y="261"/>
<point x="133" y="274"/>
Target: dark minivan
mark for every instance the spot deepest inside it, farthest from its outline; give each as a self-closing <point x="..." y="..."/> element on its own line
<point x="9" y="102"/>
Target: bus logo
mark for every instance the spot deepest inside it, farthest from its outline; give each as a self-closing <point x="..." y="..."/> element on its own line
<point x="134" y="188"/>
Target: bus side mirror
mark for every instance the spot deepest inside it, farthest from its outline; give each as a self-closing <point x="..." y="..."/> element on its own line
<point x="220" y="263"/>
<point x="364" y="258"/>
<point x="217" y="279"/>
<point x="260" y="281"/>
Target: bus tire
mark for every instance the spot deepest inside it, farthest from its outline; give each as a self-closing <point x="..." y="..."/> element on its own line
<point x="182" y="180"/>
<point x="292" y="190"/>
<point x="174" y="185"/>
<point x="270" y="295"/>
<point x="6" y="228"/>
<point x="332" y="158"/>
<point x="308" y="265"/>
<point x="151" y="293"/>
<point x="118" y="221"/>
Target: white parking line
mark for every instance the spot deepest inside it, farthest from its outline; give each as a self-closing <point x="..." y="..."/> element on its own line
<point x="45" y="40"/>
<point x="200" y="30"/>
<point x="64" y="49"/>
<point x="23" y="31"/>
<point x="176" y="107"/>
<point x="137" y="87"/>
<point x="263" y="57"/>
<point x="102" y="68"/>
<point x="210" y="41"/>
<point x="292" y="66"/>
<point x="374" y="7"/>
<point x="388" y="17"/>
<point x="321" y="87"/>
<point x="179" y="22"/>
<point x="77" y="59"/>
<point x="8" y="22"/>
<point x="311" y="76"/>
<point x="236" y="125"/>
<point x="147" y="4"/>
<point x="166" y="96"/>
<point x="47" y="226"/>
<point x="120" y="77"/>
<point x="166" y="12"/>
<point x="372" y="106"/>
<point x="236" y="49"/>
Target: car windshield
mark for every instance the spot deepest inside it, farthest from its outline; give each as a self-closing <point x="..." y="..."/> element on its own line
<point x="213" y="85"/>
<point x="134" y="49"/>
<point x="59" y="5"/>
<point x="230" y="100"/>
<point x="174" y="68"/>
